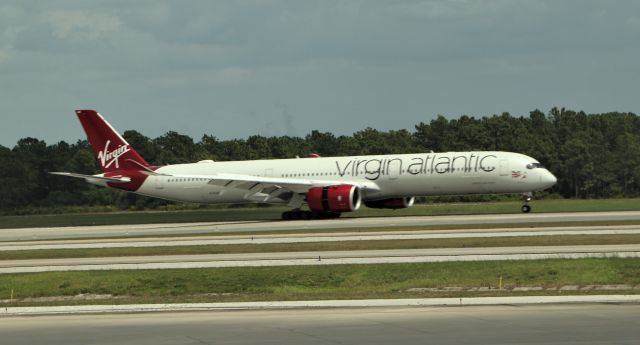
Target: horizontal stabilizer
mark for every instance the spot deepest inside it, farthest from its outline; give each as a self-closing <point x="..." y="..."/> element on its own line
<point x="90" y="178"/>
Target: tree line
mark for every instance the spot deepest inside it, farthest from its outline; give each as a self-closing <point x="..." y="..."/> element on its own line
<point x="593" y="155"/>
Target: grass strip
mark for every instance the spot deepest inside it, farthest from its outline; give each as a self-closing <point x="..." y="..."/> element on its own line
<point x="140" y="217"/>
<point x="322" y="282"/>
<point x="273" y="213"/>
<point x="474" y="242"/>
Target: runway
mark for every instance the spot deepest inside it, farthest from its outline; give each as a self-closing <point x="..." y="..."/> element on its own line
<point x="319" y="258"/>
<point x="310" y="237"/>
<point x="552" y="324"/>
<point x="184" y="229"/>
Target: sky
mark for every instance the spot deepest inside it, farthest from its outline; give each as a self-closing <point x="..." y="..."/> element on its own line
<point x="233" y="69"/>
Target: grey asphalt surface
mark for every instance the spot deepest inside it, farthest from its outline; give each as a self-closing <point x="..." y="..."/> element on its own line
<point x="239" y="227"/>
<point x="551" y="324"/>
<point x="309" y="237"/>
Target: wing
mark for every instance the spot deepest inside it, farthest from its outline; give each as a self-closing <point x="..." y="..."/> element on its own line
<point x="266" y="188"/>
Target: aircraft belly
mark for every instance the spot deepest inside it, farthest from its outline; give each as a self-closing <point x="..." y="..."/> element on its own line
<point x="443" y="184"/>
<point x="428" y="185"/>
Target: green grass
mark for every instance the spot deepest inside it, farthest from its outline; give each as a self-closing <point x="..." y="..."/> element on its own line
<point x="326" y="246"/>
<point x="273" y="213"/>
<point x="322" y="282"/>
<point x="141" y="217"/>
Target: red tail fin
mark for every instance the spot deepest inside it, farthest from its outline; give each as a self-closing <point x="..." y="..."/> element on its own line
<point x="111" y="150"/>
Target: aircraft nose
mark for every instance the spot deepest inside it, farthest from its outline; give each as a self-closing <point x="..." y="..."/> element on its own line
<point x="548" y="179"/>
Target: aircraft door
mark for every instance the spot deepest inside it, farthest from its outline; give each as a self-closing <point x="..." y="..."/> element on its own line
<point x="393" y="169"/>
<point x="159" y="182"/>
<point x="504" y="167"/>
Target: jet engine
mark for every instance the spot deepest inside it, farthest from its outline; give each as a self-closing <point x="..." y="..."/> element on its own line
<point x="391" y="203"/>
<point x="338" y="198"/>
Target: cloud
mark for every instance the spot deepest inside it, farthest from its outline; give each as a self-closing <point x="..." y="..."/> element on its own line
<point x="4" y="55"/>
<point x="8" y="12"/>
<point x="180" y="80"/>
<point x="81" y="25"/>
<point x="10" y="27"/>
<point x="633" y="23"/>
<point x="452" y="9"/>
<point x="337" y="65"/>
<point x="233" y="74"/>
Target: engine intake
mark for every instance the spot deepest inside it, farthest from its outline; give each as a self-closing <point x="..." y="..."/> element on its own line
<point x="338" y="198"/>
<point x="394" y="203"/>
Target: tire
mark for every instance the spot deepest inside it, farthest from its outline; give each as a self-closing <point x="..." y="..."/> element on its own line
<point x="286" y="215"/>
<point x="525" y="209"/>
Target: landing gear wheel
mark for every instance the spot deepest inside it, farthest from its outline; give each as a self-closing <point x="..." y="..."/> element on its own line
<point x="291" y="215"/>
<point x="326" y="215"/>
<point x="307" y="215"/>
<point x="526" y="197"/>
<point x="334" y="215"/>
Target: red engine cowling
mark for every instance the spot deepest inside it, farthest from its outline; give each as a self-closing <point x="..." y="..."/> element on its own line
<point x="339" y="198"/>
<point x="391" y="203"/>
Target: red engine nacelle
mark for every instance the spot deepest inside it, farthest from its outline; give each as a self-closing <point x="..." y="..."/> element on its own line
<point x="391" y="203"/>
<point x="339" y="198"/>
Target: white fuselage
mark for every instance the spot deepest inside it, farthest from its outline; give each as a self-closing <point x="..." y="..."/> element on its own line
<point x="406" y="175"/>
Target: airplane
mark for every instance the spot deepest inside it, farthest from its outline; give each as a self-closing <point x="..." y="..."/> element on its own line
<point x="329" y="186"/>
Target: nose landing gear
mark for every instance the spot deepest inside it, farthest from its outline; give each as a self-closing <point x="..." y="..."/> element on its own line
<point x="526" y="197"/>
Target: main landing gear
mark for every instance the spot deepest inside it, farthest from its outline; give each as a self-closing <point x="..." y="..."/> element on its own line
<point x="526" y="197"/>
<point x="298" y="214"/>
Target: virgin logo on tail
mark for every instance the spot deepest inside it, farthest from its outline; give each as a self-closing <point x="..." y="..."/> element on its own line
<point x="108" y="158"/>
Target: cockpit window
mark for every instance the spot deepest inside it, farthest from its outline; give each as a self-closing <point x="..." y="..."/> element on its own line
<point x="534" y="166"/>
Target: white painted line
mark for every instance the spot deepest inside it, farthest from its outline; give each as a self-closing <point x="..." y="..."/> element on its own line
<point x="417" y="302"/>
